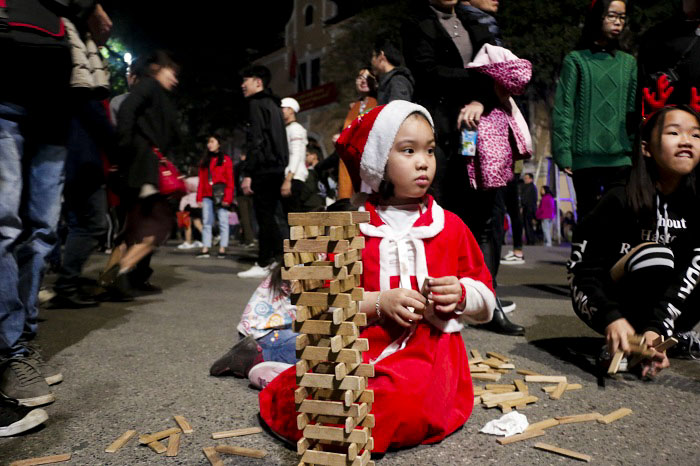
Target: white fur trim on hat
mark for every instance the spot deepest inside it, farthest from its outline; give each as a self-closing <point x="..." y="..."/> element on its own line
<point x="381" y="139"/>
<point x="290" y="103"/>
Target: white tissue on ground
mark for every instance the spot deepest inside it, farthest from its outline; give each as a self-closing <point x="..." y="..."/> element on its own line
<point x="509" y="424"/>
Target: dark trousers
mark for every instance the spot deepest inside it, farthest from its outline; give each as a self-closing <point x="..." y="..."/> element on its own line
<point x="528" y="220"/>
<point x="591" y="183"/>
<point x="267" y="207"/>
<point x="511" y="198"/>
<point x="87" y="223"/>
<point x="245" y="215"/>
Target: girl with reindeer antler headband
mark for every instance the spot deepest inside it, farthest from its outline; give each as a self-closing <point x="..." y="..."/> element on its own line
<point x="595" y="95"/>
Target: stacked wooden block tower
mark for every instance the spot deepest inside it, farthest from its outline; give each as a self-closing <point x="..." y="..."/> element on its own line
<point x="332" y="397"/>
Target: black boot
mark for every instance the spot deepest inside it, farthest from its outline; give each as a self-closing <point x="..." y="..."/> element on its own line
<point x="501" y="324"/>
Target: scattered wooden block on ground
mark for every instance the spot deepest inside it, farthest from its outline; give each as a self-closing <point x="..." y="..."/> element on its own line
<point x="236" y="433"/>
<point x="507" y="406"/>
<point x="493" y="354"/>
<point x="569" y="386"/>
<point x="520" y="385"/>
<point x="475" y="354"/>
<point x="615" y="415"/>
<point x="542" y="425"/>
<point x="157" y="447"/>
<point x="563" y="452"/>
<point x="526" y="372"/>
<point x="42" y="460"/>
<point x="545" y="378"/>
<point x="173" y="445"/>
<point x="490" y="377"/>
<point x="559" y="391"/>
<point x="578" y="418"/>
<point x="520" y="437"/>
<point x="184" y="425"/>
<point x="121" y="441"/>
<point x="240" y="451"/>
<point x="148" y="438"/>
<point x="212" y="456"/>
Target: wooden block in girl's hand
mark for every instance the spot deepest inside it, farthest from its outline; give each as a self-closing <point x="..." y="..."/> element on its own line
<point x="615" y="363"/>
<point x="663" y="346"/>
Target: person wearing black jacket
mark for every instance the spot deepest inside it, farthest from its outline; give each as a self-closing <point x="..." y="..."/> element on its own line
<point x="267" y="156"/>
<point x="395" y="81"/>
<point x="34" y="120"/>
<point x="438" y="42"/>
<point x="635" y="260"/>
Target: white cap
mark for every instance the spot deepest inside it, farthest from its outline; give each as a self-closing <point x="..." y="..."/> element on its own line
<point x="290" y="103"/>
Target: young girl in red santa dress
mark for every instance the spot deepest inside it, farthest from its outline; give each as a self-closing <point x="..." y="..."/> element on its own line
<point x="422" y="385"/>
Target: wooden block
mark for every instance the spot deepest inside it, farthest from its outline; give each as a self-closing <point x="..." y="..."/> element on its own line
<point x="320" y="218"/>
<point x="491" y="377"/>
<point x="559" y="391"/>
<point x="173" y="445"/>
<point x="642" y="351"/>
<point x="491" y="401"/>
<point x="42" y="460"/>
<point x="146" y="439"/>
<point x="157" y="447"/>
<point x="302" y="445"/>
<point x="569" y="386"/>
<point x="520" y="437"/>
<point x="520" y="385"/>
<point x="578" y="418"/>
<point x="563" y="451"/>
<point x="240" y="451"/>
<point x="358" y="294"/>
<point x="337" y="434"/>
<point x="326" y="327"/>
<point x="236" y="433"/>
<point x="212" y="456"/>
<point x="319" y="245"/>
<point x="334" y="459"/>
<point x="615" y="363"/>
<point x="475" y="353"/>
<point x="496" y="386"/>
<point x="307" y="257"/>
<point x="328" y="408"/>
<point x="184" y="425"/>
<point x="291" y="259"/>
<point x="493" y="363"/>
<point x="526" y="372"/>
<point x="545" y="378"/>
<point x="309" y="272"/>
<point x="493" y="354"/>
<point x="120" y="442"/>
<point x="478" y="370"/>
<point x="350" y="382"/>
<point x="311" y="298"/>
<point x="542" y="425"/>
<point x="296" y="232"/>
<point x="663" y="346"/>
<point x="343" y="285"/>
<point x="363" y="370"/>
<point x="312" y="231"/>
<point x="507" y="406"/>
<point x="353" y="255"/>
<point x="325" y="354"/>
<point x="352" y="451"/>
<point x="637" y="340"/>
<point x="615" y="415"/>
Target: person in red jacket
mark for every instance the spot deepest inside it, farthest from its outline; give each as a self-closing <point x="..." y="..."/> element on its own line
<point x="215" y="192"/>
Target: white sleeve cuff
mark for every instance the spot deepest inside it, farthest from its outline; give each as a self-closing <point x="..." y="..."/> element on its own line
<point x="480" y="302"/>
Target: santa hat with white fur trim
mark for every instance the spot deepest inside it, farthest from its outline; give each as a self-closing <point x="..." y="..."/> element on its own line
<point x="364" y="146"/>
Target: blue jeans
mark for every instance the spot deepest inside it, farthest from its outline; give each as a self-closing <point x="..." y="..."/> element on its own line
<point x="208" y="222"/>
<point x="279" y="346"/>
<point x="31" y="181"/>
<point x="547" y="231"/>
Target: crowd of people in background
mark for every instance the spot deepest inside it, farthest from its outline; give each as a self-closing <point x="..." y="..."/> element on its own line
<point x="449" y="78"/>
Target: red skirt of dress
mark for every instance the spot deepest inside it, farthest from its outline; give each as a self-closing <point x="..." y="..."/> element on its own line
<point x="422" y="393"/>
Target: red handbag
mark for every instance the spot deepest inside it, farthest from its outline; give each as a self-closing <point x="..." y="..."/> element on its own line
<point x="169" y="181"/>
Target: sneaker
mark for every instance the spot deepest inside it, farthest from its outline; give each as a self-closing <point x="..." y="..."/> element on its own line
<point x="239" y="359"/>
<point x="265" y="372"/>
<point x="203" y="255"/>
<point x="507" y="306"/>
<point x="51" y="373"/>
<point x="688" y="346"/>
<point x="512" y="258"/>
<point x="256" y="271"/>
<point x="221" y="255"/>
<point x="44" y="296"/>
<point x="22" y="381"/>
<point x="15" y="419"/>
<point x="186" y="245"/>
<point x="198" y="244"/>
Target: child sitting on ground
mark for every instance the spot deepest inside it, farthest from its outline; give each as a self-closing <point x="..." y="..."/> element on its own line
<point x="411" y="244"/>
<point x="635" y="258"/>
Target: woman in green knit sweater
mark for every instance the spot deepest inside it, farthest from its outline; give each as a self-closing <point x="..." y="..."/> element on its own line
<point x="594" y="102"/>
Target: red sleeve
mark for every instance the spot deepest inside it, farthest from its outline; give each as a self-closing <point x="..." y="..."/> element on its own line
<point x="203" y="181"/>
<point x="228" y="166"/>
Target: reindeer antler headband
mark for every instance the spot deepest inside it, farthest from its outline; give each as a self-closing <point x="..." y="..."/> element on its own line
<point x="656" y="100"/>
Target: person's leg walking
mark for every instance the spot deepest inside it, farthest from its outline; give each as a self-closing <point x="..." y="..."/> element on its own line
<point x="207" y="222"/>
<point x="547" y="231"/>
<point x="266" y="202"/>
<point x="222" y="214"/>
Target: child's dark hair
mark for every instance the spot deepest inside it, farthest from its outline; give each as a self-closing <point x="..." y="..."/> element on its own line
<point x="258" y="71"/>
<point x="315" y="149"/>
<point x="386" y="187"/>
<point x="276" y="282"/>
<point x="593" y="25"/>
<point x="641" y="187"/>
<point x="547" y="190"/>
<point x="391" y="47"/>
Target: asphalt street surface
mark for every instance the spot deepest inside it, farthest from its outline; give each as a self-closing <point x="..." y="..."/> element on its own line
<point x="136" y="365"/>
